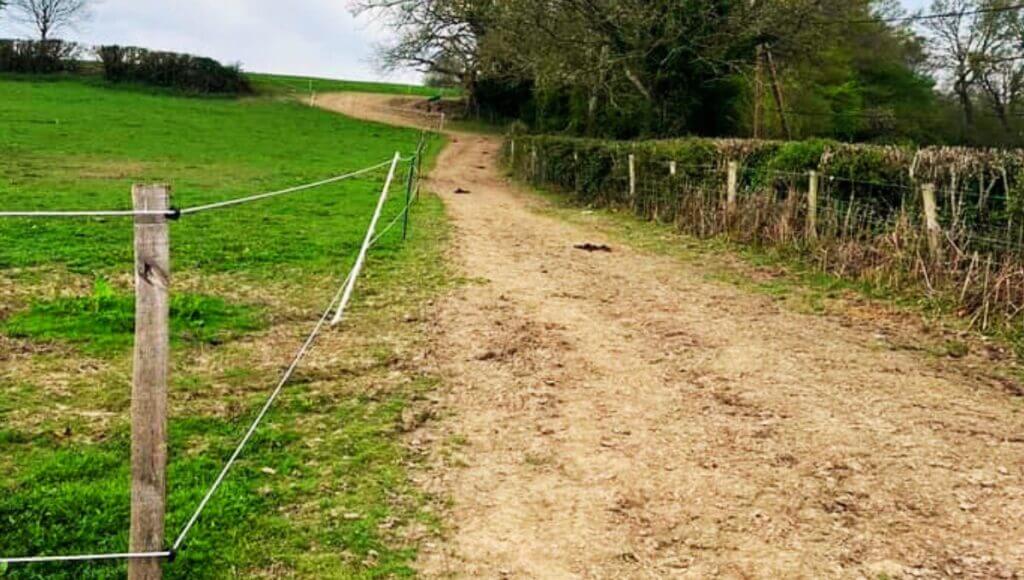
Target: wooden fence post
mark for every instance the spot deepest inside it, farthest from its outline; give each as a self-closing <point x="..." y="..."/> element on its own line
<point x="149" y="379"/>
<point x="931" y="214"/>
<point x="732" y="190"/>
<point x="442" y="121"/>
<point x="632" y="176"/>
<point x="408" y="197"/>
<point x="812" y="205"/>
<point x="575" y="170"/>
<point x="533" y="164"/>
<point x="672" y="167"/>
<point x="512" y="155"/>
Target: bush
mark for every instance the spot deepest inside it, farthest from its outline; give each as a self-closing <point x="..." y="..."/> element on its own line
<point x="38" y="56"/>
<point x="183" y="72"/>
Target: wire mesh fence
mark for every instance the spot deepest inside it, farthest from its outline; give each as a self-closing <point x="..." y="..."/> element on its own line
<point x="970" y="252"/>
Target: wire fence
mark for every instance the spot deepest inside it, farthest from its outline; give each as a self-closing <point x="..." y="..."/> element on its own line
<point x="958" y="242"/>
<point x="335" y="308"/>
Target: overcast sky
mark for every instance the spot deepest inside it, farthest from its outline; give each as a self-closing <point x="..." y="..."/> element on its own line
<point x="301" y="37"/>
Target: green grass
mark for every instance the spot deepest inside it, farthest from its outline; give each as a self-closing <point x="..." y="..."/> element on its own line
<point x="102" y="323"/>
<point x="282" y="84"/>
<point x="208" y="150"/>
<point x="323" y="491"/>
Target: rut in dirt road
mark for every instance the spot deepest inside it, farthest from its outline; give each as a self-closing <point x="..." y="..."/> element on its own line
<point x="626" y="418"/>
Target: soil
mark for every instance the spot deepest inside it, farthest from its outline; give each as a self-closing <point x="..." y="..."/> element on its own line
<point x="619" y="415"/>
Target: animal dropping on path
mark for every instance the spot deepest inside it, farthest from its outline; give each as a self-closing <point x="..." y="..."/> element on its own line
<point x="589" y="247"/>
<point x="461" y="191"/>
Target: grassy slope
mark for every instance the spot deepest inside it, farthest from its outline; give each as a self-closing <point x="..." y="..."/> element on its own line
<point x="322" y="492"/>
<point x="280" y="84"/>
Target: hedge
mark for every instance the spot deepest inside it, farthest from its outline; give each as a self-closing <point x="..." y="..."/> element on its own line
<point x="184" y="72"/>
<point x="38" y="56"/>
<point x="868" y="222"/>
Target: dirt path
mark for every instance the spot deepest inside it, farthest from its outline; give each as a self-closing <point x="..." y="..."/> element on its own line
<point x="623" y="417"/>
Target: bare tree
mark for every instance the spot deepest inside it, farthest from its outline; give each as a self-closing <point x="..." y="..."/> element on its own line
<point x="960" y="43"/>
<point x="433" y="36"/>
<point x="48" y="16"/>
<point x="1001" y="69"/>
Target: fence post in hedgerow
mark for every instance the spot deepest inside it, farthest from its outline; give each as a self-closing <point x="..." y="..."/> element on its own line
<point x="533" y="164"/>
<point x="575" y="170"/>
<point x="632" y="177"/>
<point x="732" y="186"/>
<point x="512" y="155"/>
<point x="672" y="168"/>
<point x="812" y="204"/>
<point x="149" y="379"/>
<point x="931" y="215"/>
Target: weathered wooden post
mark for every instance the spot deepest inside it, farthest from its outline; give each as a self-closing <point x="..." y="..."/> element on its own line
<point x="575" y="170"/>
<point x="442" y="121"/>
<point x="732" y="186"/>
<point x="408" y="196"/>
<point x="149" y="379"/>
<point x="812" y="205"/>
<point x="512" y="155"/>
<point x="533" y="164"/>
<point x="672" y="167"/>
<point x="632" y="176"/>
<point x="931" y="214"/>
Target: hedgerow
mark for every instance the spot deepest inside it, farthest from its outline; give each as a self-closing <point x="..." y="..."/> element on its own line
<point x="869" y="222"/>
<point x="38" y="56"/>
<point x="183" y="72"/>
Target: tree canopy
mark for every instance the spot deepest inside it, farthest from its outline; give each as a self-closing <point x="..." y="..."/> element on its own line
<point x="847" y="69"/>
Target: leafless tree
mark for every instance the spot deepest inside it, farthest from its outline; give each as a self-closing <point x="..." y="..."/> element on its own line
<point x="1001" y="69"/>
<point x="48" y="16"/>
<point x="961" y="43"/>
<point x="432" y="36"/>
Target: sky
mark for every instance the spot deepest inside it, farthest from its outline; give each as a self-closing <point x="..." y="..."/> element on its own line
<point x="300" y="37"/>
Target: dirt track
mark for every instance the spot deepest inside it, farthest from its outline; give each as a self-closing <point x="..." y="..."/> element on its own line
<point x="626" y="418"/>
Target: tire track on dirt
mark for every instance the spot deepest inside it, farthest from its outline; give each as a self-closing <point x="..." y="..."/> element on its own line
<point x="624" y="417"/>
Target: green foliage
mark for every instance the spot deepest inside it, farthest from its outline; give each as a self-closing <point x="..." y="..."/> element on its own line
<point x="38" y="56"/>
<point x="668" y="68"/>
<point x="183" y="72"/>
<point x="103" y="323"/>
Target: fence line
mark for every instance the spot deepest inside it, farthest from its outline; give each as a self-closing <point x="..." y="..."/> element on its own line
<point x="350" y="287"/>
<point x="337" y="305"/>
<point x="297" y="188"/>
<point x="884" y="231"/>
<point x="175" y="213"/>
<point x="87" y="558"/>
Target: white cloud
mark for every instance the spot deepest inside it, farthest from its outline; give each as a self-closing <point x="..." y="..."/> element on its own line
<point x="302" y="37"/>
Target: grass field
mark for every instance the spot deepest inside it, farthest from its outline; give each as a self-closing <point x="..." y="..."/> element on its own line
<point x="301" y="85"/>
<point x="322" y="490"/>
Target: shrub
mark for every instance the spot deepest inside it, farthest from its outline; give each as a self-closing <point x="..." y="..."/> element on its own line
<point x="183" y="72"/>
<point x="38" y="56"/>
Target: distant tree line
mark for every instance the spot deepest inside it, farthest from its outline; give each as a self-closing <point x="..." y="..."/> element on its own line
<point x="182" y="72"/>
<point x="855" y="70"/>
